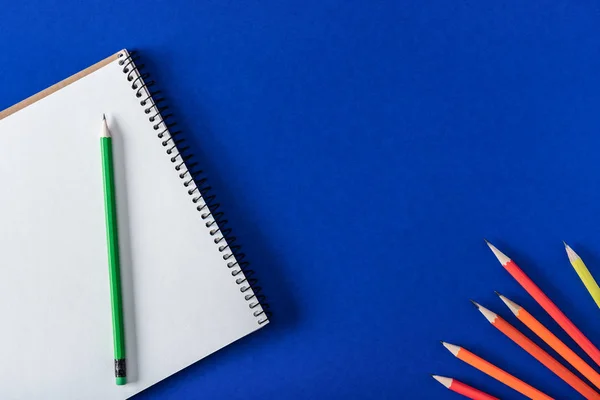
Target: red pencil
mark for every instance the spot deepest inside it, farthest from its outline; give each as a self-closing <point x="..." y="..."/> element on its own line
<point x="464" y="389"/>
<point x="547" y="304"/>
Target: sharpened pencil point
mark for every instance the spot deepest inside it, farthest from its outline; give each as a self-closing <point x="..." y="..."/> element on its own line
<point x="512" y="306"/>
<point x="451" y="348"/>
<point x="499" y="255"/>
<point x="571" y="253"/>
<point x="475" y="303"/>
<point x="490" y="316"/>
<point x="443" y="380"/>
<point x="105" y="133"/>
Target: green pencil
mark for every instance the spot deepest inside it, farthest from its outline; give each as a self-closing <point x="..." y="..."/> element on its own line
<point x="112" y="236"/>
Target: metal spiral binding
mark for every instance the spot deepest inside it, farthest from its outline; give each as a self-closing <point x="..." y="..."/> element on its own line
<point x="193" y="178"/>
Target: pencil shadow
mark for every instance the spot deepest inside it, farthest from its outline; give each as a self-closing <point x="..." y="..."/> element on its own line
<point x="127" y="281"/>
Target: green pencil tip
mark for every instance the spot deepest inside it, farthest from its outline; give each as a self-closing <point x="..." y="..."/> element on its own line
<point x="121" y="381"/>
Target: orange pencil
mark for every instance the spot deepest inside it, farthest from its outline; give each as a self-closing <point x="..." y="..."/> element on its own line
<point x="551" y="340"/>
<point x="496" y="373"/>
<point x="534" y="350"/>
<point x="462" y="388"/>
<point x="547" y="304"/>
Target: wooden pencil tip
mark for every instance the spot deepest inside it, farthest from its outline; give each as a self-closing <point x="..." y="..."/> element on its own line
<point x="475" y="303"/>
<point x="489" y="315"/>
<point x="512" y="306"/>
<point x="105" y="133"/>
<point x="571" y="253"/>
<point x="443" y="380"/>
<point x="451" y="348"/>
<point x="497" y="294"/>
<point x="503" y="258"/>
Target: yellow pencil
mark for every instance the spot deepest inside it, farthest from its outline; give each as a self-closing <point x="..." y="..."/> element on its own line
<point x="584" y="274"/>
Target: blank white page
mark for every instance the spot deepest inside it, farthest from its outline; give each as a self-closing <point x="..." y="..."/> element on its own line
<point x="181" y="302"/>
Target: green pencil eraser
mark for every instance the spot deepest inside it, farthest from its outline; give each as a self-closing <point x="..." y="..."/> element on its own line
<point x="121" y="381"/>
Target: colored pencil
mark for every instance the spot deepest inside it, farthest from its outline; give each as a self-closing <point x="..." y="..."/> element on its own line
<point x="584" y="274"/>
<point x="112" y="238"/>
<point x="495" y="372"/>
<point x="462" y="388"/>
<point x="538" y="353"/>
<point x="547" y="304"/>
<point x="551" y="340"/>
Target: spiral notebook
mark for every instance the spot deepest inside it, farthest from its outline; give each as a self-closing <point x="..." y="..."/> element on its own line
<point x="187" y="292"/>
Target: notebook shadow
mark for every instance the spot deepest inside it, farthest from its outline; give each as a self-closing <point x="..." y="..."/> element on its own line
<point x="127" y="281"/>
<point x="269" y="270"/>
<point x="275" y="285"/>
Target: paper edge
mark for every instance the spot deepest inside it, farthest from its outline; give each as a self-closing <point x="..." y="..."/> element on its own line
<point x="56" y="87"/>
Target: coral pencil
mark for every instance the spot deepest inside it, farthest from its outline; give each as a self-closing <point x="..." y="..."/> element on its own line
<point x="551" y="340"/>
<point x="462" y="388"/>
<point x="584" y="274"/>
<point x="534" y="350"/>
<point x="495" y="372"/>
<point x="547" y="304"/>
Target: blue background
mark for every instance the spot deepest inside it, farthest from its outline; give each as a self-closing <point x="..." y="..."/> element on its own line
<point x="362" y="150"/>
